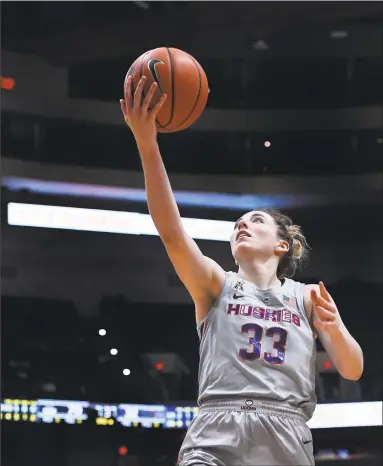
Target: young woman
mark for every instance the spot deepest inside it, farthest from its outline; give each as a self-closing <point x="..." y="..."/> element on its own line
<point x="257" y="327"/>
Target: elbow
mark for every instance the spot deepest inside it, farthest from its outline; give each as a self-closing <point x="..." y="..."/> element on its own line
<point x="353" y="366"/>
<point x="354" y="376"/>
<point x="353" y="372"/>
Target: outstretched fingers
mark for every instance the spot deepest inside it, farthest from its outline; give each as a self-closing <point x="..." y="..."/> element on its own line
<point x="138" y="94"/>
<point x="159" y="105"/>
<point x="123" y="108"/>
<point x="318" y="300"/>
<point x="149" y="96"/>
<point x="324" y="293"/>
<point x="324" y="314"/>
<point x="128" y="97"/>
<point x="134" y="106"/>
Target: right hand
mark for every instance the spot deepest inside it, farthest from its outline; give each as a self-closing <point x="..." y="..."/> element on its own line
<point x="137" y="115"/>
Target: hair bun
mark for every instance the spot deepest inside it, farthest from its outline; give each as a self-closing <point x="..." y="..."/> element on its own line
<point x="297" y="249"/>
<point x="295" y="258"/>
<point x="297" y="237"/>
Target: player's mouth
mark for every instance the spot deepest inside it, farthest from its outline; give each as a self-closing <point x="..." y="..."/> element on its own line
<point x="242" y="234"/>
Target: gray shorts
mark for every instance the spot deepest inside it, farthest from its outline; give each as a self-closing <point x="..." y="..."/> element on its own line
<point x="247" y="432"/>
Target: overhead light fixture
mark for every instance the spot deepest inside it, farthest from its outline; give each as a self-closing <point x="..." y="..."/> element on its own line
<point x="109" y="221"/>
<point x="260" y="46"/>
<point x="216" y="200"/>
<point x="143" y="5"/>
<point x="339" y="34"/>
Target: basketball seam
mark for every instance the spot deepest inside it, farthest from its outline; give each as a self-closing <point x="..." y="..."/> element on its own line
<point x="172" y="86"/>
<point x="198" y="95"/>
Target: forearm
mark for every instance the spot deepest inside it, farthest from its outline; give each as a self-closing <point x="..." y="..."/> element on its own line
<point x="346" y="353"/>
<point x="162" y="205"/>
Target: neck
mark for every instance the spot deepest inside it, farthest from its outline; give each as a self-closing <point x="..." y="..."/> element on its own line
<point x="262" y="275"/>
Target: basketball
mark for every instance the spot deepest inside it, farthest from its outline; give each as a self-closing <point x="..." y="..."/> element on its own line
<point x="178" y="75"/>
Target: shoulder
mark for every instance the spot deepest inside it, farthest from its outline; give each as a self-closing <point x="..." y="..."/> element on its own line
<point x="303" y="292"/>
<point x="307" y="295"/>
<point x="300" y="289"/>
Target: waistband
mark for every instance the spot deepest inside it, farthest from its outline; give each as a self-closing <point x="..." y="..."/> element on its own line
<point x="253" y="405"/>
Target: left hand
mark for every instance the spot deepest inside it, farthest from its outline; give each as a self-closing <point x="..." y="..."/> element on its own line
<point x="325" y="310"/>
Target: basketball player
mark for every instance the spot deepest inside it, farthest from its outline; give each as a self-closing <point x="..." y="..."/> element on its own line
<point x="257" y="327"/>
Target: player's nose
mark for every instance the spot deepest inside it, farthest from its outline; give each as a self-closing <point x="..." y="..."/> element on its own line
<point x="242" y="224"/>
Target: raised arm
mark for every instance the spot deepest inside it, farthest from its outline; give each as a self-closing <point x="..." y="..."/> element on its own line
<point x="201" y="275"/>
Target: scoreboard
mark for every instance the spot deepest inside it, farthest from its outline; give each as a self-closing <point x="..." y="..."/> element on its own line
<point x="326" y="416"/>
<point x="75" y="412"/>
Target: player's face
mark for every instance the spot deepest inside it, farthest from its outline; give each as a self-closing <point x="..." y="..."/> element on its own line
<point x="255" y="234"/>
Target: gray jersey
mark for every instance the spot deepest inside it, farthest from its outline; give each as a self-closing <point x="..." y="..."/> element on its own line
<point x="258" y="344"/>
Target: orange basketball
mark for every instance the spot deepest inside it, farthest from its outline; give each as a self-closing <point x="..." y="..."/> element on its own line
<point x="178" y="75"/>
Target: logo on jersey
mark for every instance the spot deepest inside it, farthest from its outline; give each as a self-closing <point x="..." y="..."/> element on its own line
<point x="239" y="290"/>
<point x="239" y="286"/>
<point x="290" y="302"/>
<point x="280" y="315"/>
<point x="249" y="406"/>
<point x="266" y="300"/>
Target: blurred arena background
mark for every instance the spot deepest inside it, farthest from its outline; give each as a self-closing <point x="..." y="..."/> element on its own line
<point x="99" y="348"/>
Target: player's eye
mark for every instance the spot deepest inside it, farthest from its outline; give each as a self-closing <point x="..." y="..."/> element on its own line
<point x="257" y="219"/>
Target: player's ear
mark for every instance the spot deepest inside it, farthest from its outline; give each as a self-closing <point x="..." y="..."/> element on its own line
<point x="282" y="247"/>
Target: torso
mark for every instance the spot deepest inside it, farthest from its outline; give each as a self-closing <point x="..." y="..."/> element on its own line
<point x="259" y="344"/>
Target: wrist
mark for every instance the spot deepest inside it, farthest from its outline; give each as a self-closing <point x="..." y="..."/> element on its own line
<point x="147" y="146"/>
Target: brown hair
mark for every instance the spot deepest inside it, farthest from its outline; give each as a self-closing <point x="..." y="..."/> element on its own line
<point x="295" y="258"/>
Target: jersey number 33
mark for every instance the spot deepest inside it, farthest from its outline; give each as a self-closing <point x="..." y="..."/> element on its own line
<point x="257" y="333"/>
